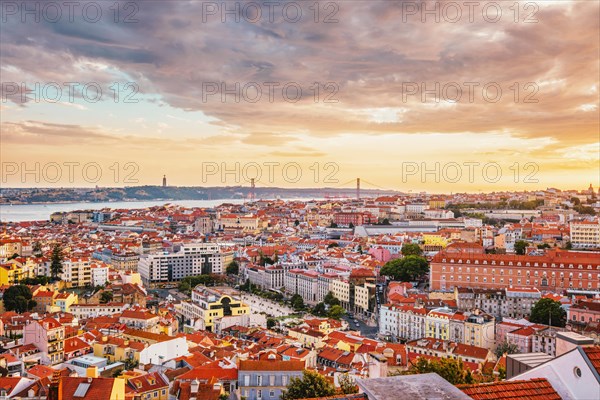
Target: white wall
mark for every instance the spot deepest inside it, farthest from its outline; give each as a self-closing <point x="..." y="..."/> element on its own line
<point x="168" y="349"/>
<point x="560" y="374"/>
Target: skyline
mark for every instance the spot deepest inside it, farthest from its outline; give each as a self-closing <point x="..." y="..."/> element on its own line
<point x="369" y="117"/>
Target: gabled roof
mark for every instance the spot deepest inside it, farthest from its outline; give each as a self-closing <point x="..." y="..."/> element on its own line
<point x="534" y="389"/>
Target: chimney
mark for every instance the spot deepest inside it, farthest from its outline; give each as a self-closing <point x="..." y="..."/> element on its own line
<point x="194" y="386"/>
<point x="91" y="372"/>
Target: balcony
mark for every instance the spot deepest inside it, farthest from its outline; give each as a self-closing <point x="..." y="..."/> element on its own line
<point x="54" y="349"/>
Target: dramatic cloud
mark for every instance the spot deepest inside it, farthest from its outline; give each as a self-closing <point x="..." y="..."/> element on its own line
<point x="242" y="82"/>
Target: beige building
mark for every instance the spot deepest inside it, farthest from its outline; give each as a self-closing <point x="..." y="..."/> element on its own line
<point x="585" y="234"/>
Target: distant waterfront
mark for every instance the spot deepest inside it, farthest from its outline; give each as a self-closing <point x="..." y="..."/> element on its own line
<point x="41" y="212"/>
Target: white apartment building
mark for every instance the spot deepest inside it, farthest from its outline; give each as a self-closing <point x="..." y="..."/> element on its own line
<point x="99" y="274"/>
<point x="585" y="234"/>
<point x="189" y="260"/>
<point x="85" y="311"/>
<point x="302" y="282"/>
<point x="270" y="277"/>
<point x="77" y="272"/>
<point x="402" y="322"/>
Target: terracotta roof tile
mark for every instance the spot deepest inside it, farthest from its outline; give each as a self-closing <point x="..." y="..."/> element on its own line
<point x="534" y="389"/>
<point x="593" y="353"/>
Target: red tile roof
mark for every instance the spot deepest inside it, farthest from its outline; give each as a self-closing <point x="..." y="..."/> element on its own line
<point x="535" y="389"/>
<point x="271" y="365"/>
<point x="593" y="353"/>
<point x="99" y="389"/>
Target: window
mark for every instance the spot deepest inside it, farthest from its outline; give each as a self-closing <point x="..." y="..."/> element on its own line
<point x="259" y="394"/>
<point x="284" y="380"/>
<point x="272" y="393"/>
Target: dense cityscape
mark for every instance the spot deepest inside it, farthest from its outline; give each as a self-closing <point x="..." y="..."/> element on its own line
<point x="343" y="298"/>
<point x="300" y="200"/>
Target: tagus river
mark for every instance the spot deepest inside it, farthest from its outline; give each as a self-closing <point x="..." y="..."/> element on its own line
<point x="41" y="212"/>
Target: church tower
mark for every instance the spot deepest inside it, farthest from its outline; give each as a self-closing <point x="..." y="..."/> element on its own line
<point x="164" y="181"/>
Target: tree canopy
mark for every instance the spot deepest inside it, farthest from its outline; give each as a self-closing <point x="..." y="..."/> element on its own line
<point x="548" y="310"/>
<point x="297" y="302"/>
<point x="312" y="384"/>
<point x="106" y="297"/>
<point x="520" y="247"/>
<point x="409" y="268"/>
<point x="450" y="369"/>
<point x="56" y="266"/>
<point x="506" y="348"/>
<point x="411" y="249"/>
<point x="18" y="298"/>
<point x="331" y="300"/>
<point x="320" y="310"/>
<point x="336" y="312"/>
<point x="233" y="268"/>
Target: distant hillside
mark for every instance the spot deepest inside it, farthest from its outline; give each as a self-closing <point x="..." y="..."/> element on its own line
<point x="56" y="195"/>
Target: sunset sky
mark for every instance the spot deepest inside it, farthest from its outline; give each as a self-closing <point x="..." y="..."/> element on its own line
<point x="367" y="56"/>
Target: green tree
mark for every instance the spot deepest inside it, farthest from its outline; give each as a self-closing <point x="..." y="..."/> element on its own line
<point x="336" y="312"/>
<point x="332" y="245"/>
<point x="320" y="310"/>
<point x="411" y="249"/>
<point x="347" y="384"/>
<point x="331" y="300"/>
<point x="106" y="297"/>
<point x="333" y="225"/>
<point x="409" y="268"/>
<point x="568" y="245"/>
<point x="233" y="268"/>
<point x="297" y="302"/>
<point x="271" y="322"/>
<point x="312" y="384"/>
<point x="18" y="298"/>
<point x="296" y="222"/>
<point x="520" y="247"/>
<point x="506" y="348"/>
<point x="351" y="225"/>
<point x="450" y="369"/>
<point x="548" y="310"/>
<point x="56" y="266"/>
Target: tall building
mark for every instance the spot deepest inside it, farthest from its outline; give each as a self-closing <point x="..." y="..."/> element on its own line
<point x="585" y="234"/>
<point x="189" y="260"/>
<point x="48" y="335"/>
<point x="164" y="181"/>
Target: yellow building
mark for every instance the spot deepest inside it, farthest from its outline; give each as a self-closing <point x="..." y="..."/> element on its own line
<point x="437" y="324"/>
<point x="63" y="301"/>
<point x="118" y="349"/>
<point x="437" y="203"/>
<point x="434" y="241"/>
<point x="10" y="273"/>
<point x="208" y="305"/>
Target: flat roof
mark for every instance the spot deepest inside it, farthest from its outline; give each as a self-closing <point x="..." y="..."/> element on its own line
<point x="414" y="387"/>
<point x="531" y="359"/>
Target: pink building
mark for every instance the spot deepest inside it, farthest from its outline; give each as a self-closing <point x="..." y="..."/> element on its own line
<point x="48" y="335"/>
<point x="522" y="337"/>
<point x="380" y="254"/>
<point x="584" y="312"/>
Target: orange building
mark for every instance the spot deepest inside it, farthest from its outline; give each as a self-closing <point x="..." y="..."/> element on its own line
<point x="467" y="265"/>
